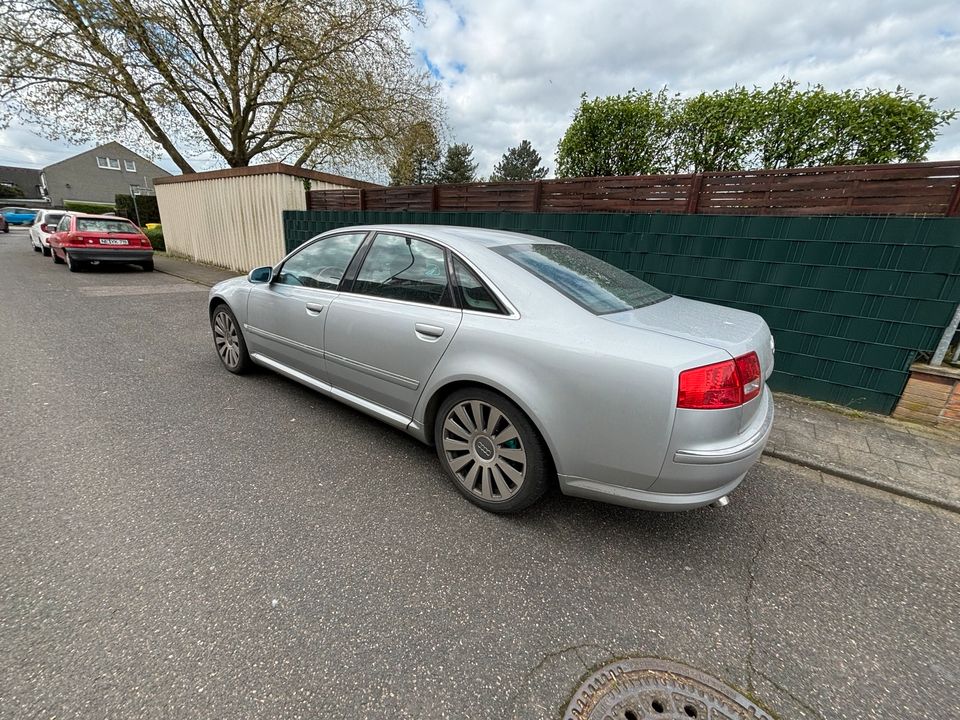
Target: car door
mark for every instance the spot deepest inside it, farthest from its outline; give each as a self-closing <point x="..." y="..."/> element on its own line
<point x="386" y="335"/>
<point x="285" y="317"/>
<point x="63" y="226"/>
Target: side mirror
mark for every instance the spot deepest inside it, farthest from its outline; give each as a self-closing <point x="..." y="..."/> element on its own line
<point x="261" y="274"/>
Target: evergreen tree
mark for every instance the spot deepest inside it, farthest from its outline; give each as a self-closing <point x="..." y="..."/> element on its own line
<point x="519" y="163"/>
<point x="458" y="165"/>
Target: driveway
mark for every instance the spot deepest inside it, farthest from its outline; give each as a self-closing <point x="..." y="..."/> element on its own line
<point x="178" y="542"/>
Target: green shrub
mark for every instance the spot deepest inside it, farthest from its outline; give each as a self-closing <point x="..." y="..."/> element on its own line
<point x="146" y="210"/>
<point x="155" y="235"/>
<point x="88" y="207"/>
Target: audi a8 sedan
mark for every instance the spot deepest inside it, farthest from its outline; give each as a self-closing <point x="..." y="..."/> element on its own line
<point x="524" y="361"/>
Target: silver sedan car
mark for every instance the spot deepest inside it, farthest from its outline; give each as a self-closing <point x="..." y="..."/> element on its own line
<point x="523" y="361"/>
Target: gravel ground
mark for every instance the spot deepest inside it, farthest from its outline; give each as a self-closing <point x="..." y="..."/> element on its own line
<point x="178" y="542"/>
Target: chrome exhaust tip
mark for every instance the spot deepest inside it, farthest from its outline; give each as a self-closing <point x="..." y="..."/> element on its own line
<point x="721" y="502"/>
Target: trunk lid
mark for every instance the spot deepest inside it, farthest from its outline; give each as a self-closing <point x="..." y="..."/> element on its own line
<point x="735" y="331"/>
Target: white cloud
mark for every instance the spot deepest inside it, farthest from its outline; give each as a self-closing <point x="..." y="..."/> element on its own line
<point x="514" y="70"/>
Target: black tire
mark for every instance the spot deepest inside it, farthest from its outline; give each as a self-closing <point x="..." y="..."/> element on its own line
<point x="35" y="248"/>
<point x="237" y="362"/>
<point x="496" y="472"/>
<point x="73" y="265"/>
<point x="56" y="260"/>
<point x="45" y="251"/>
<point x="147" y="266"/>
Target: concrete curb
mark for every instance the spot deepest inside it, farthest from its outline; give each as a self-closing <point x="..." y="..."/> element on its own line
<point x="877" y="483"/>
<point x="182" y="277"/>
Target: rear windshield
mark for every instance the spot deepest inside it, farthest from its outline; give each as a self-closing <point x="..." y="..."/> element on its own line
<point x="104" y="226"/>
<point x="596" y="285"/>
<point x="52" y="218"/>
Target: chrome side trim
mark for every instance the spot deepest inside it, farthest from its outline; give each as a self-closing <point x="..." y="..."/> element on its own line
<point x="388" y="416"/>
<point x="376" y="372"/>
<point x="284" y="341"/>
<point x="745" y="449"/>
<point x="289" y="372"/>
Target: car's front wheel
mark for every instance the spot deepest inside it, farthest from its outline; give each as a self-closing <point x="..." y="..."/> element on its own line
<point x="491" y="450"/>
<point x="229" y="341"/>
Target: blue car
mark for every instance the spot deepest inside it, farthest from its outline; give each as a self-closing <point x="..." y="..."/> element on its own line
<point x="18" y="215"/>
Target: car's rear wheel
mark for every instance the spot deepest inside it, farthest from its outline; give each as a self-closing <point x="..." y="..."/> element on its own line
<point x="56" y="260"/>
<point x="45" y="251"/>
<point x="229" y="341"/>
<point x="491" y="450"/>
<point x="73" y="265"/>
<point x="35" y="248"/>
<point x="147" y="266"/>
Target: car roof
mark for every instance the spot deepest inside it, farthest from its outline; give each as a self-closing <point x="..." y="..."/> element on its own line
<point x="98" y="217"/>
<point x="456" y="236"/>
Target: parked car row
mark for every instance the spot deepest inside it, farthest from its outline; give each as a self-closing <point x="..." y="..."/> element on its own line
<point x="81" y="240"/>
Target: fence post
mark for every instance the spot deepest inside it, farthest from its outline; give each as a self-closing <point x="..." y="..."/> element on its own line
<point x="362" y="201"/>
<point x="537" y="195"/>
<point x="693" y="198"/>
<point x="306" y="198"/>
<point x="434" y="199"/>
<point x="953" y="209"/>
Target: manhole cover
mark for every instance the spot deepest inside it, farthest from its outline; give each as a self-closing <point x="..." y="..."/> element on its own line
<point x="644" y="689"/>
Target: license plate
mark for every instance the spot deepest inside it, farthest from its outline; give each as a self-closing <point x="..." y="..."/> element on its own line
<point x="113" y="241"/>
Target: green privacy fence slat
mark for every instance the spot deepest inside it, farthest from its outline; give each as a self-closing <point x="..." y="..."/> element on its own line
<point x="850" y="300"/>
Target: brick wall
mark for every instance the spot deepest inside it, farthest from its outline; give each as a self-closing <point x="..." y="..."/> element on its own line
<point x="932" y="396"/>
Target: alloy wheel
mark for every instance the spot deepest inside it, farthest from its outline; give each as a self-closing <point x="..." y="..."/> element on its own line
<point x="226" y="339"/>
<point x="484" y="450"/>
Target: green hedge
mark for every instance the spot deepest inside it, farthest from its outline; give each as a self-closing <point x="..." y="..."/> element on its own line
<point x="147" y="208"/>
<point x="88" y="207"/>
<point x="155" y="236"/>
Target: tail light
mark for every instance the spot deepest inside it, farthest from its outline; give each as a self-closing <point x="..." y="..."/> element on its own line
<point x="721" y="385"/>
<point x="45" y="228"/>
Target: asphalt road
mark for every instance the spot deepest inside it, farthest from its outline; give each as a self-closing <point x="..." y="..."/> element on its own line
<point x="178" y="542"/>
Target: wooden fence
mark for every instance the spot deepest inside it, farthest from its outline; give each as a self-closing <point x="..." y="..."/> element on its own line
<point x="931" y="188"/>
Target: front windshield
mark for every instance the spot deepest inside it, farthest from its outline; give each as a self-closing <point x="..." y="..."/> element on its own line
<point x="590" y="282"/>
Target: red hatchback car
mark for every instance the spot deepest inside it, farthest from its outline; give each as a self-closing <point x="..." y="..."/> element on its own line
<point x="82" y="240"/>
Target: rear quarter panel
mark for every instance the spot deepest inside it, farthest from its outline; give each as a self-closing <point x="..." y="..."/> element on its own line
<point x="603" y="396"/>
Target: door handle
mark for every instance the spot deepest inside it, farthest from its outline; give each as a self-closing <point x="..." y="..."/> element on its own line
<point x="429" y="330"/>
<point x="314" y="308"/>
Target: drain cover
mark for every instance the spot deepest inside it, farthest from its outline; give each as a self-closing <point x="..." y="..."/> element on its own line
<point x="647" y="689"/>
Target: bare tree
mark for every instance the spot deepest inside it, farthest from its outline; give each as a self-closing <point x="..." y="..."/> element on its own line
<point x="311" y="82"/>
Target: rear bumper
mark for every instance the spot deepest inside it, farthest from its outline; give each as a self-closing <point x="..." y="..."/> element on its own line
<point x="644" y="499"/>
<point x="87" y="254"/>
<point x="690" y="478"/>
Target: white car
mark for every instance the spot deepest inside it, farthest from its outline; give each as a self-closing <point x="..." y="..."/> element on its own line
<point x="43" y="226"/>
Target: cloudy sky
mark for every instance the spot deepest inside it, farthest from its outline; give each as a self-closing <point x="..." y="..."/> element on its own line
<point x="512" y="69"/>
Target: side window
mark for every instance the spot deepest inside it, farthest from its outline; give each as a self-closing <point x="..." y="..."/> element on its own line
<point x="322" y="264"/>
<point x="473" y="293"/>
<point x="402" y="268"/>
<point x="64" y="224"/>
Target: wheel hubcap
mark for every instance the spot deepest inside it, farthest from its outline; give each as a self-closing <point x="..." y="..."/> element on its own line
<point x="484" y="450"/>
<point x="226" y="339"/>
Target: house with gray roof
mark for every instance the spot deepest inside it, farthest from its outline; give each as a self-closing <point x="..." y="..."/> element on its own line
<point x="19" y="182"/>
<point x="99" y="175"/>
<point x="96" y="176"/>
